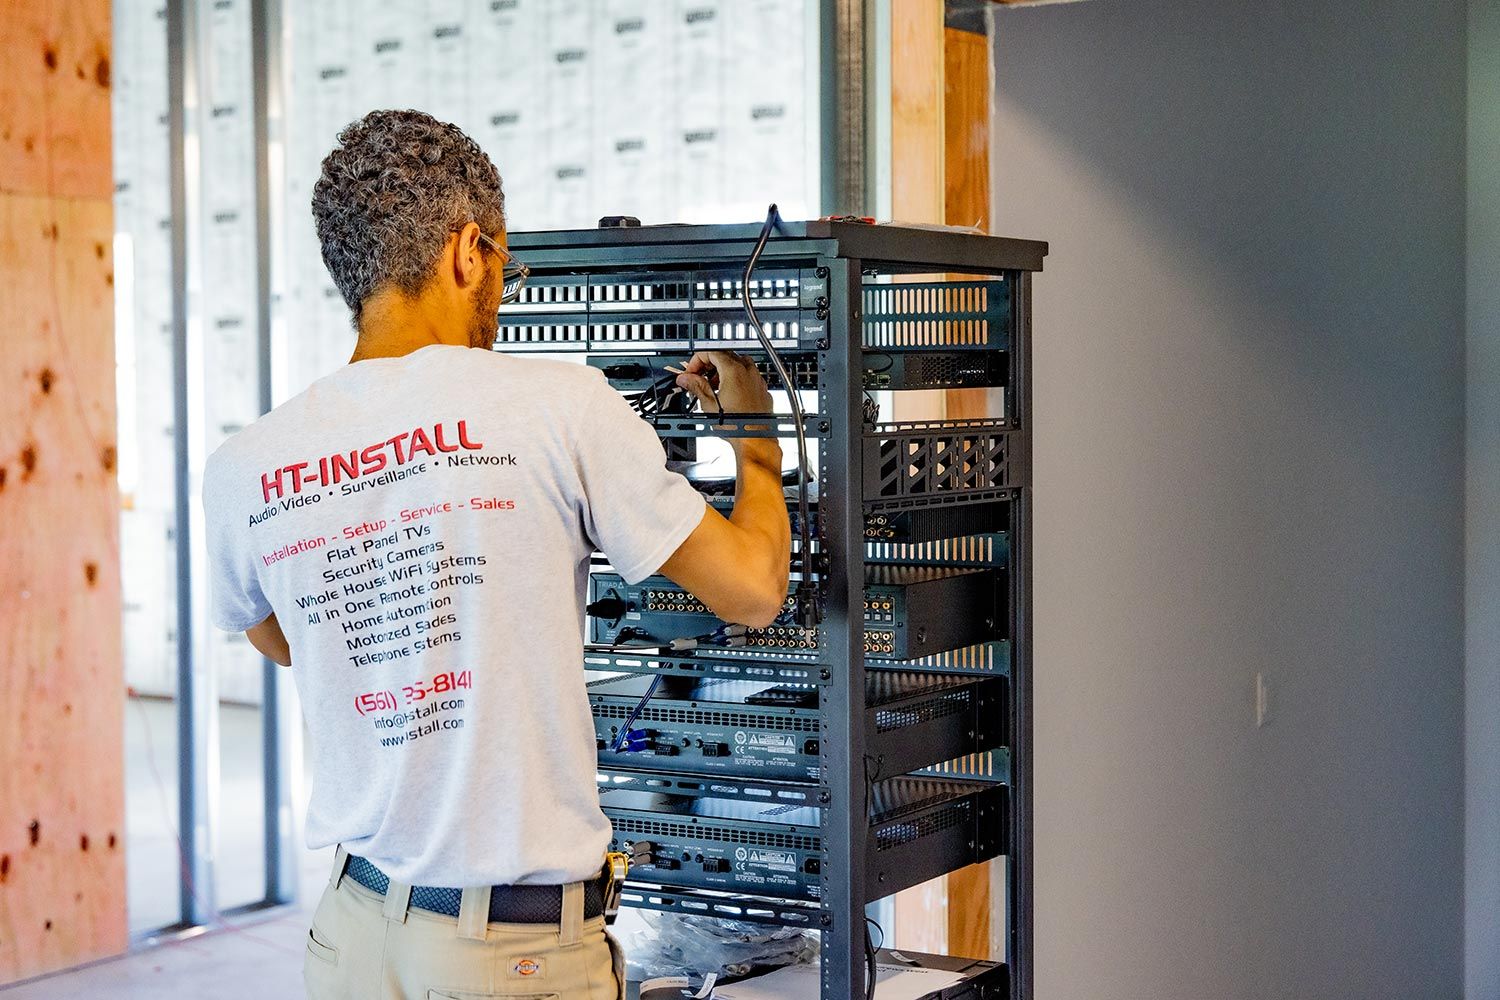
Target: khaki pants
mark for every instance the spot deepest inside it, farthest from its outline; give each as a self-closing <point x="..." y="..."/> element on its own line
<point x="367" y="947"/>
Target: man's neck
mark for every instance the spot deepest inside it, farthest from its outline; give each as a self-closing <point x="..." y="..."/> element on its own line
<point x="392" y="325"/>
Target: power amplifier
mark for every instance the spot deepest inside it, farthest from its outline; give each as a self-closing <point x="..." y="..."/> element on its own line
<point x="757" y="729"/>
<point x="920" y="827"/>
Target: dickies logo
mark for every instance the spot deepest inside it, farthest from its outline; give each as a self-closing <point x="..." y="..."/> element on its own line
<point x="527" y="967"/>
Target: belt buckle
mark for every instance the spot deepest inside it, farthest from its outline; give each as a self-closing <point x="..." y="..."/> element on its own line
<point x="617" y="866"/>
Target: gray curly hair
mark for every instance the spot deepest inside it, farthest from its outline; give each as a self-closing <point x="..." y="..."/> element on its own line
<point x="391" y="191"/>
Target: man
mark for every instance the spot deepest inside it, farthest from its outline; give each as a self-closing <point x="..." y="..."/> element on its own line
<point x="412" y="534"/>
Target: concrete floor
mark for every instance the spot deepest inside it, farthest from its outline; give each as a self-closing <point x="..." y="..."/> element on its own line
<point x="259" y="960"/>
<point x="251" y="957"/>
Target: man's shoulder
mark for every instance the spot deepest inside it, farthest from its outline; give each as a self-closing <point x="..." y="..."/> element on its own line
<point x="547" y="372"/>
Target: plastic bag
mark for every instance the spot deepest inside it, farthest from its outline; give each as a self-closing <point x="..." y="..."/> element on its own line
<point x="657" y="943"/>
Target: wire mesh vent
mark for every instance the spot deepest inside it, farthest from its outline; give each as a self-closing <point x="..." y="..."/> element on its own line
<point x="898" y="797"/>
<point x="906" y="831"/>
<point x="733" y="835"/>
<point x="952" y="703"/>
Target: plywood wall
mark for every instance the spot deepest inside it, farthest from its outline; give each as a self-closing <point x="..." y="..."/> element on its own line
<point x="62" y="868"/>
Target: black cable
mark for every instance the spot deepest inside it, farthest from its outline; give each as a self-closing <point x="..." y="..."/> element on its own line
<point x="635" y="714"/>
<point x="807" y="605"/>
<point x="871" y="968"/>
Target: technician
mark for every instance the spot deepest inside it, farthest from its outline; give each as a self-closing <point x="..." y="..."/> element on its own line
<point x="412" y="534"/>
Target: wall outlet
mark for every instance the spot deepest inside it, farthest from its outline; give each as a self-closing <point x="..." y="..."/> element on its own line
<point x="1262" y="700"/>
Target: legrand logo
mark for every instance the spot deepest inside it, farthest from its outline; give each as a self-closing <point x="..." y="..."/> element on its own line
<point x="700" y="15"/>
<point x="626" y="27"/>
<point x="768" y="111"/>
<point x="630" y="145"/>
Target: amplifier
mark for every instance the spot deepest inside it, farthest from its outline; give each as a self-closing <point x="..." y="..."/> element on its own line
<point x="909" y="612"/>
<point x="764" y="730"/>
<point x="920" y="827"/>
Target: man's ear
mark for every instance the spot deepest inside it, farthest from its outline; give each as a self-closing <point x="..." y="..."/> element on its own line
<point x="468" y="257"/>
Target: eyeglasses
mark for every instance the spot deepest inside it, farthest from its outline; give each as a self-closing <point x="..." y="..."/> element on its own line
<point x="513" y="273"/>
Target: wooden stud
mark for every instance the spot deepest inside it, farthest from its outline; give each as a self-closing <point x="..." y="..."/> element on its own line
<point x="940" y="145"/>
<point x="62" y="810"/>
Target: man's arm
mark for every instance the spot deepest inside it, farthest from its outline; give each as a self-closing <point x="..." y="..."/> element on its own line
<point x="270" y="640"/>
<point x="739" y="565"/>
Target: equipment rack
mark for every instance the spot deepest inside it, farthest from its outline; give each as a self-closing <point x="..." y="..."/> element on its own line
<point x="850" y="307"/>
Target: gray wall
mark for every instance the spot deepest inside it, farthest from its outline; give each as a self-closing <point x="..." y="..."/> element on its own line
<point x="1482" y="681"/>
<point x="1249" y="458"/>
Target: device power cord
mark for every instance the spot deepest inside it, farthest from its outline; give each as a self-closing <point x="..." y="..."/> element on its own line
<point x="872" y="969"/>
<point x="806" y="592"/>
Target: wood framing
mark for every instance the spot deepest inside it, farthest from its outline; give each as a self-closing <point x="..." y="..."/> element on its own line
<point x="62" y="815"/>
<point x="940" y="172"/>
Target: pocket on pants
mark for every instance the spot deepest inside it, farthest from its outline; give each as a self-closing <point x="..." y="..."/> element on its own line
<point x="617" y="957"/>
<point x="320" y="949"/>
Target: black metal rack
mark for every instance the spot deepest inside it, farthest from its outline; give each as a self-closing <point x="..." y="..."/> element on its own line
<point x="851" y="307"/>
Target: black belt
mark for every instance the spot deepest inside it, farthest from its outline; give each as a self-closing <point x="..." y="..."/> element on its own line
<point x="509" y="904"/>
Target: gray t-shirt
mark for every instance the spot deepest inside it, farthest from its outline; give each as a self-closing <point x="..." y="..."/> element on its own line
<point x="422" y="528"/>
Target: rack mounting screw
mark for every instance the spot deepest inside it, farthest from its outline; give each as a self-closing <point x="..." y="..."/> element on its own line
<point x="822" y="272"/>
<point x="825" y="675"/>
<point x="823" y="426"/>
<point x="826" y="920"/>
<point x="824" y="797"/>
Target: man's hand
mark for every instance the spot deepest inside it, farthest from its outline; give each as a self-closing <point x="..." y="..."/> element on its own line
<point x="738" y="566"/>
<point x="268" y="638"/>
<point x="741" y="389"/>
